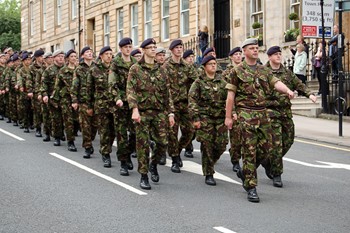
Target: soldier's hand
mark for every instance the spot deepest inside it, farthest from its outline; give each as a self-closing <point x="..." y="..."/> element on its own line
<point x="90" y="112"/>
<point x="7" y="90"/>
<point x="21" y="89"/>
<point x="234" y="116"/>
<point x="30" y="95"/>
<point x="119" y="103"/>
<point x="290" y="94"/>
<point x="197" y="125"/>
<point x="228" y="122"/>
<point x="171" y="121"/>
<point x="75" y="106"/>
<point x="136" y="115"/>
<point x="313" y="98"/>
<point x="16" y="87"/>
<point x="40" y="97"/>
<point x="46" y="99"/>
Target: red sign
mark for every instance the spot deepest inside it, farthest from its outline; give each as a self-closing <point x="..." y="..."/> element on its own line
<point x="309" y="30"/>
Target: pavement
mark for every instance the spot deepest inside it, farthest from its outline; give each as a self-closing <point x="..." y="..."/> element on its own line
<point x="322" y="130"/>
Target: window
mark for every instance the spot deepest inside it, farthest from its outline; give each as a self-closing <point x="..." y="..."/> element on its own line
<point x="295" y="8"/>
<point x="134" y="24"/>
<point x="44" y="14"/>
<point x="106" y="29"/>
<point x="185" y="17"/>
<point x="165" y="20"/>
<point x="257" y="18"/>
<point x="120" y="24"/>
<point x="31" y="16"/>
<point x="74" y="9"/>
<point x="148" y="18"/>
<point x="59" y="12"/>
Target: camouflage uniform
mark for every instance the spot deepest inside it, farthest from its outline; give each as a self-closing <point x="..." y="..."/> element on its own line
<point x="11" y="82"/>
<point x="6" y="85"/>
<point x="88" y="123"/>
<point x="33" y="86"/>
<point x="100" y="99"/>
<point x="279" y="110"/>
<point x="181" y="76"/>
<point x="49" y="77"/>
<point x="61" y="96"/>
<point x="45" y="107"/>
<point x="122" y="116"/>
<point x="235" y="149"/>
<point x="207" y="98"/>
<point x="24" y="102"/>
<point x="251" y="87"/>
<point x="148" y="90"/>
<point x="2" y="88"/>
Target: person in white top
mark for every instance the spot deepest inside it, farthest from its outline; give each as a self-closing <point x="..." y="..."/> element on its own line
<point x="300" y="60"/>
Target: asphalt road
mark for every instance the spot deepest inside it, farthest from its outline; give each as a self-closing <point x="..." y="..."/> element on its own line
<point x="49" y="189"/>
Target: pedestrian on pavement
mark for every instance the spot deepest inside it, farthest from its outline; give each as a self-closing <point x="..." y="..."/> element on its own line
<point x="250" y="83"/>
<point x="300" y="61"/>
<point x="150" y="100"/>
<point x="207" y="98"/>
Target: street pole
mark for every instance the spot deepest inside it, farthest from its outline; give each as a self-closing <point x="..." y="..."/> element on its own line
<point x="324" y="84"/>
<point x="340" y="70"/>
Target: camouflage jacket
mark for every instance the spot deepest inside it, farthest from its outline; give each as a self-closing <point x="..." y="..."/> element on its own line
<point x="279" y="103"/>
<point x="34" y="85"/>
<point x="48" y="79"/>
<point x="23" y="75"/>
<point x="2" y="77"/>
<point x="207" y="98"/>
<point x="97" y="88"/>
<point x="11" y="78"/>
<point x="63" y="84"/>
<point x="251" y="87"/>
<point x="78" y="89"/>
<point x="148" y="88"/>
<point x="119" y="76"/>
<point x="181" y="76"/>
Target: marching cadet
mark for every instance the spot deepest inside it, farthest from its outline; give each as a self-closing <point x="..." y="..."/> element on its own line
<point x="33" y="87"/>
<point x="207" y="98"/>
<point x="12" y="88"/>
<point x="61" y="96"/>
<point x="248" y="89"/>
<point x="149" y="98"/>
<point x="279" y="110"/>
<point x="88" y="123"/>
<point x="48" y="81"/>
<point x="24" y="106"/>
<point x="180" y="75"/>
<point x="235" y="56"/>
<point x="136" y="53"/>
<point x="160" y="55"/>
<point x="100" y="102"/>
<point x="2" y="87"/>
<point x="124" y="127"/>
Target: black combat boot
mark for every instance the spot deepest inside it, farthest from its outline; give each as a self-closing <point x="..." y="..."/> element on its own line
<point x="236" y="167"/>
<point x="124" y="168"/>
<point x="63" y="138"/>
<point x="175" y="165"/>
<point x="144" y="184"/>
<point x="188" y="153"/>
<point x="15" y="123"/>
<point x="26" y="130"/>
<point x="9" y="120"/>
<point x="133" y="154"/>
<point x="57" y="142"/>
<point x="87" y="153"/>
<point x="47" y="138"/>
<point x="253" y="195"/>
<point x="71" y="146"/>
<point x="209" y="180"/>
<point x="180" y="161"/>
<point x="154" y="172"/>
<point x="38" y="132"/>
<point x="106" y="160"/>
<point x="130" y="164"/>
<point x="162" y="160"/>
<point x="277" y="181"/>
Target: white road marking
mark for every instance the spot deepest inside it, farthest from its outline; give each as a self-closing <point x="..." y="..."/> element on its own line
<point x="327" y="164"/>
<point x="12" y="135"/>
<point x="322" y="145"/>
<point x="96" y="173"/>
<point x="224" y="230"/>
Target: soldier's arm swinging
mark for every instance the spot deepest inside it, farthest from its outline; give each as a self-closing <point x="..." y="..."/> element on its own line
<point x="282" y="88"/>
<point x="229" y="105"/>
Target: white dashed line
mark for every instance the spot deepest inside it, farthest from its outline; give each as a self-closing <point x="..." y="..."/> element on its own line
<point x="12" y="135"/>
<point x="224" y="230"/>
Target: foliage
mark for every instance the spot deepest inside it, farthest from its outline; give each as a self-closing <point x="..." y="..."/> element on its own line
<point x="10" y="24"/>
<point x="293" y="16"/>
<point x="291" y="34"/>
<point x="256" y="25"/>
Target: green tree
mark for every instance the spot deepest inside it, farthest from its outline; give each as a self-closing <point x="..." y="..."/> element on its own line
<point x="10" y="24"/>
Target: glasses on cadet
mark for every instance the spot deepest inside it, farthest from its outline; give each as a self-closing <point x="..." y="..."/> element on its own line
<point x="151" y="47"/>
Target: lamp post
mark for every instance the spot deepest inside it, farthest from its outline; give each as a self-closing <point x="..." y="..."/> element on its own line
<point x="324" y="84"/>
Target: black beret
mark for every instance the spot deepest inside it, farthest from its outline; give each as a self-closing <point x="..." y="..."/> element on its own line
<point x="207" y="59"/>
<point x="14" y="57"/>
<point x="208" y="50"/>
<point x="147" y="42"/>
<point x="39" y="53"/>
<point x="134" y="52"/>
<point x="187" y="53"/>
<point x="105" y="49"/>
<point x="175" y="43"/>
<point x="273" y="50"/>
<point x="86" y="48"/>
<point x="234" y="50"/>
<point x="24" y="56"/>
<point x="125" y="41"/>
<point x="69" y="52"/>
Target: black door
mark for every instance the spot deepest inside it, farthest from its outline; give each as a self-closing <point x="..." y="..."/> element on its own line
<point x="222" y="27"/>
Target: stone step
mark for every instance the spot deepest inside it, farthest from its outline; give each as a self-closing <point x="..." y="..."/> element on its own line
<point x="305" y="107"/>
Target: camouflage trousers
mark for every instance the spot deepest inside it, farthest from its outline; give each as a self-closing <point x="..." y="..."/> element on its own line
<point x="283" y="138"/>
<point x="106" y="131"/>
<point x="125" y="132"/>
<point x="7" y="105"/>
<point x="256" y="142"/>
<point x="68" y="120"/>
<point x="213" y="138"/>
<point x="2" y="104"/>
<point x="56" y="121"/>
<point x="235" y="149"/>
<point x="154" y="124"/>
<point x="13" y="105"/>
<point x="88" y="125"/>
<point x="46" y="118"/>
<point x="24" y="108"/>
<point x="37" y="116"/>
<point x="182" y="120"/>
